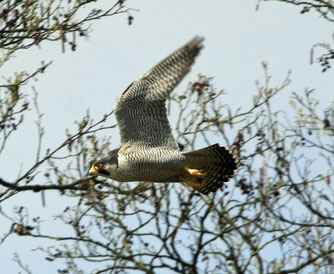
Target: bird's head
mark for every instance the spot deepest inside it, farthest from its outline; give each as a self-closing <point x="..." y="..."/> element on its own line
<point x="106" y="167"/>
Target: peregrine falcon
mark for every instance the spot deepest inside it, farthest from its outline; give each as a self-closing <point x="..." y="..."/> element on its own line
<point x="148" y="150"/>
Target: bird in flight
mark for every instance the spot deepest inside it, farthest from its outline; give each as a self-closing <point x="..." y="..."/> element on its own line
<point x="148" y="150"/>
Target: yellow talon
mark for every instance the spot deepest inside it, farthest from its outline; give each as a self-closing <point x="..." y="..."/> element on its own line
<point x="196" y="177"/>
<point x="196" y="172"/>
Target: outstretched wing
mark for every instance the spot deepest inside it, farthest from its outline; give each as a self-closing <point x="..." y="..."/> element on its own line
<point x="141" y="110"/>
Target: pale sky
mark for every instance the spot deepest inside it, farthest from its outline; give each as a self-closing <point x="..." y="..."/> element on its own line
<point x="238" y="39"/>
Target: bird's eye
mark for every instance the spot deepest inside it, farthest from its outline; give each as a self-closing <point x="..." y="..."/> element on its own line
<point x="98" y="166"/>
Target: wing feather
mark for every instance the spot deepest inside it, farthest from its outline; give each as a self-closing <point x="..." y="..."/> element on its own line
<point x="141" y="110"/>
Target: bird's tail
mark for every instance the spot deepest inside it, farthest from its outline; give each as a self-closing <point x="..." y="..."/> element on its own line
<point x="208" y="168"/>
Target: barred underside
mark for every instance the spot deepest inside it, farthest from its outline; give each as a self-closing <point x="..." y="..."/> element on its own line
<point x="217" y="163"/>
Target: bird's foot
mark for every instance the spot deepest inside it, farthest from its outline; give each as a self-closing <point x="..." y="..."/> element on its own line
<point x="198" y="173"/>
<point x="196" y="178"/>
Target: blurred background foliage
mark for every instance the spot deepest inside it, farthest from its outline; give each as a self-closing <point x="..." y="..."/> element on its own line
<point x="274" y="216"/>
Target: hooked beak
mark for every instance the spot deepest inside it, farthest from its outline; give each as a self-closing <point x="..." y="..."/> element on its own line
<point x="93" y="170"/>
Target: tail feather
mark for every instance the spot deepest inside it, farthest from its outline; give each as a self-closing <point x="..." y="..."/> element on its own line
<point x="215" y="166"/>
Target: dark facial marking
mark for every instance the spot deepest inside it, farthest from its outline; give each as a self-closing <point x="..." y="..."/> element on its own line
<point x="113" y="157"/>
<point x="104" y="172"/>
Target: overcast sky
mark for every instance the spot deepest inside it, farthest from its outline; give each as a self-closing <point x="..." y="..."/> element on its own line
<point x="238" y="39"/>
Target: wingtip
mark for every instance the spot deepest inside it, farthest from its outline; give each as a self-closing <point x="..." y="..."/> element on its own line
<point x="198" y="38"/>
<point x="197" y="42"/>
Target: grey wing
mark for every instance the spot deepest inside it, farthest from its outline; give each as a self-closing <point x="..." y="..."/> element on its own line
<point x="141" y="110"/>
